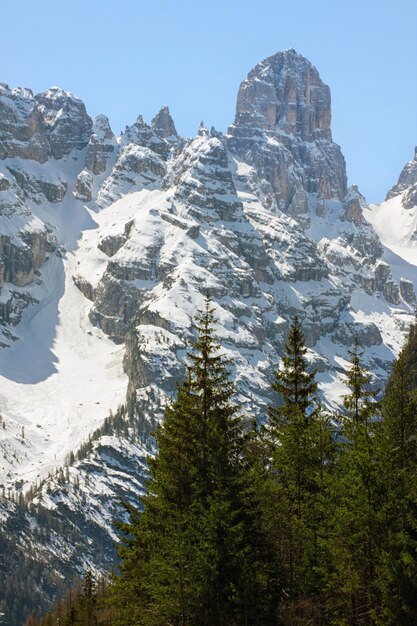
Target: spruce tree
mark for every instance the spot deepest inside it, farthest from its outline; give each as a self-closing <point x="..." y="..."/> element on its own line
<point x="88" y="601"/>
<point x="294" y="383"/>
<point x="187" y="558"/>
<point x="302" y="452"/>
<point x="397" y="575"/>
<point x="356" y="537"/>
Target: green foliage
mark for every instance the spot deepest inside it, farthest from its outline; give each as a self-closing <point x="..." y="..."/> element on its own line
<point x="82" y="605"/>
<point x="189" y="558"/>
<point x="357" y="498"/>
<point x="397" y="575"/>
<point x="302" y="462"/>
<point x="279" y="525"/>
<point x="360" y="401"/>
<point x="293" y="382"/>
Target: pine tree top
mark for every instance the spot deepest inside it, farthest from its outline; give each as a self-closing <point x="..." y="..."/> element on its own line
<point x="295" y="384"/>
<point x="360" y="401"/>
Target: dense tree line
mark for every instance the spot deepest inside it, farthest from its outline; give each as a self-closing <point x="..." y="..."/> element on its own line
<point x="309" y="519"/>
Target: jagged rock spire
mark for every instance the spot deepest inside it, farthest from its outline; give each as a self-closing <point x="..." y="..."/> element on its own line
<point x="282" y="127"/>
<point x="163" y="124"/>
<point x="407" y="179"/>
<point x="203" y="130"/>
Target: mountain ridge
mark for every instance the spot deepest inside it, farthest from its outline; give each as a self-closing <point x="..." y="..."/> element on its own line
<point x="108" y="251"/>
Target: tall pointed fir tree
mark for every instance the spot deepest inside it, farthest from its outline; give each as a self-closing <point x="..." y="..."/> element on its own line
<point x="302" y="453"/>
<point x="88" y="601"/>
<point x="356" y="537"/>
<point x="194" y="556"/>
<point x="397" y="575"/>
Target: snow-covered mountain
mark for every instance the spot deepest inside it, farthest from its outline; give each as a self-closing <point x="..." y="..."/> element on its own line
<point x="108" y="247"/>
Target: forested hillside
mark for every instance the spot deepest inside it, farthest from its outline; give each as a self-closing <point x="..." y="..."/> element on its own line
<point x="310" y="519"/>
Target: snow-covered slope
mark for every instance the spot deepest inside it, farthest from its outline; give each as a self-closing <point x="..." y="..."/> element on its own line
<point x="60" y="375"/>
<point x="134" y="232"/>
<point x="108" y="247"/>
<point x="395" y="222"/>
<point x="396" y="226"/>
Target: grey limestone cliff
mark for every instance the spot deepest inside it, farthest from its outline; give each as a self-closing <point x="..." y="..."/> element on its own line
<point x="283" y="128"/>
<point x="407" y="182"/>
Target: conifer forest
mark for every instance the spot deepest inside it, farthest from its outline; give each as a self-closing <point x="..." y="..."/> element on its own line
<point x="309" y="519"/>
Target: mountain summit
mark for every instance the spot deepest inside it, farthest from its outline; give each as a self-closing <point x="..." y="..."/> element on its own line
<point x="283" y="127"/>
<point x="108" y="246"/>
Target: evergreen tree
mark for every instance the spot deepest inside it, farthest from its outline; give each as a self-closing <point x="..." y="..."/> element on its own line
<point x="356" y="540"/>
<point x="360" y="401"/>
<point x="294" y="383"/>
<point x="302" y="453"/>
<point x="187" y="558"/>
<point x="88" y="601"/>
<point x="397" y="576"/>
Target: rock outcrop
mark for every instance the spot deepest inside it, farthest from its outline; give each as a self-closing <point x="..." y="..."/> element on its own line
<point x="407" y="182"/>
<point x="50" y="124"/>
<point x="101" y="146"/>
<point x="163" y="125"/>
<point x="143" y="153"/>
<point x="101" y="153"/>
<point x="282" y="129"/>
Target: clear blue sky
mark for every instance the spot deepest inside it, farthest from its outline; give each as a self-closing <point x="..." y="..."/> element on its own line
<point x="125" y="57"/>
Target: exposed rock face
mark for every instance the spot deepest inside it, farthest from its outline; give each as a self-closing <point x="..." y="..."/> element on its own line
<point x="84" y="188"/>
<point x="136" y="167"/>
<point x="207" y="230"/>
<point x="101" y="146"/>
<point x="260" y="217"/>
<point x="50" y="124"/>
<point x="395" y="222"/>
<point x="102" y="150"/>
<point x="66" y="122"/>
<point x="353" y="206"/>
<point x="201" y="175"/>
<point x="407" y="292"/>
<point x="42" y="139"/>
<point x="368" y="334"/>
<point x="84" y="286"/>
<point x="151" y="137"/>
<point x="163" y="125"/>
<point x="24" y="239"/>
<point x="37" y="188"/>
<point x="142" y="157"/>
<point x="382" y="274"/>
<point x="282" y="128"/>
<point x="409" y="200"/>
<point x="407" y="182"/>
<point x="392" y="292"/>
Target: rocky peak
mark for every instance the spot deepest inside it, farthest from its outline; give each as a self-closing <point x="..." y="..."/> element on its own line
<point x="202" y="130"/>
<point x="261" y="218"/>
<point x="102" y="130"/>
<point x="21" y="125"/>
<point x="285" y="92"/>
<point x="51" y="123"/>
<point x="56" y="99"/>
<point x="150" y="136"/>
<point x="65" y="119"/>
<point x="353" y="205"/>
<point x="163" y="124"/>
<point x="141" y="162"/>
<point x="282" y="129"/>
<point x="407" y="182"/>
<point x="101" y="153"/>
<point x="138" y="133"/>
<point x="203" y="180"/>
<point x="101" y="146"/>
